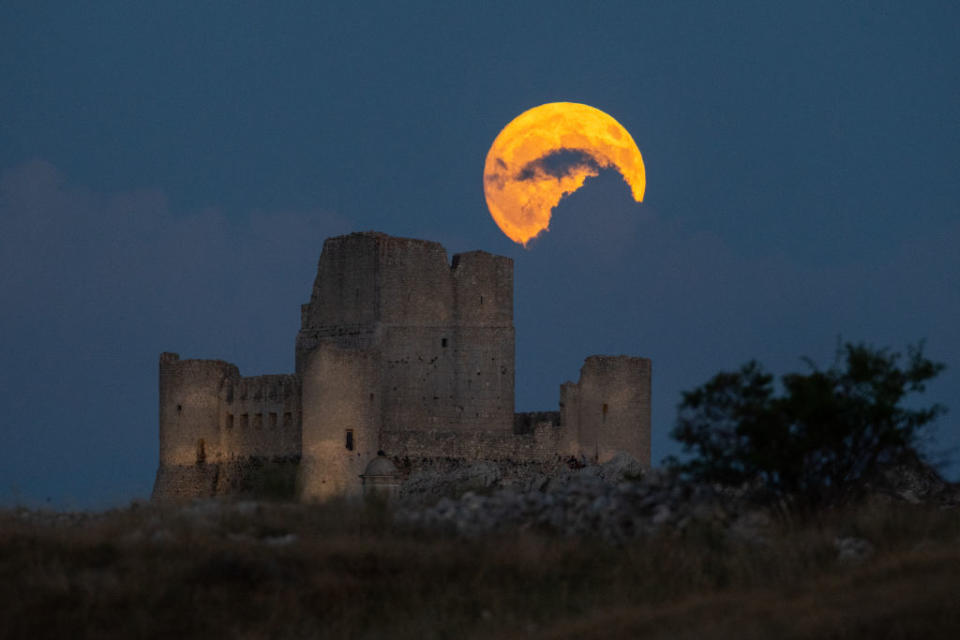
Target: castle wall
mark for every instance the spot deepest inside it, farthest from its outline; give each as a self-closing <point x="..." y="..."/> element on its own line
<point x="341" y="420"/>
<point x="345" y="301"/>
<point x="415" y="284"/>
<point x="483" y="289"/>
<point x="609" y="408"/>
<point x="217" y="428"/>
<point x="450" y="377"/>
<point x="178" y="482"/>
<point x="570" y="413"/>
<point x="260" y="417"/>
<point x="485" y="341"/>
<point x="546" y="442"/>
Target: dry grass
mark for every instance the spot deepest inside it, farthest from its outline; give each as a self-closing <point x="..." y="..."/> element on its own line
<point x="234" y="572"/>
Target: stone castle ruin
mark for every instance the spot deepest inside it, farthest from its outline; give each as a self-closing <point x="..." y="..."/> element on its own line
<point x="404" y="363"/>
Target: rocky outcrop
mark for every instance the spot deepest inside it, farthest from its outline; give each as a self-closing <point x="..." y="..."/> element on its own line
<point x="915" y="481"/>
<point x="611" y="501"/>
<point x="429" y="485"/>
<point x="618" y="502"/>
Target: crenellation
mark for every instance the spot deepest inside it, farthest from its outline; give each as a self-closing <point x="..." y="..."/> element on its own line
<point x="400" y="353"/>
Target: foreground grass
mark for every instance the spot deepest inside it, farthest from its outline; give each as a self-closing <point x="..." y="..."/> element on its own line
<point x="289" y="571"/>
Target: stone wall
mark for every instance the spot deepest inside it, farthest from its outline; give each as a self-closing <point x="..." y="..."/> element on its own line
<point x="609" y="408"/>
<point x="444" y="330"/>
<point x="177" y="482"/>
<point x="546" y="442"/>
<point x="253" y="476"/>
<point x="260" y="417"/>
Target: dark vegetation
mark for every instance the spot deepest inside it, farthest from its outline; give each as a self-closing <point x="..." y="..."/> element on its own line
<point x="280" y="570"/>
<point x="819" y="442"/>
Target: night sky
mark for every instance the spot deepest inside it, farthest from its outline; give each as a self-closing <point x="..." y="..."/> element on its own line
<point x="168" y="175"/>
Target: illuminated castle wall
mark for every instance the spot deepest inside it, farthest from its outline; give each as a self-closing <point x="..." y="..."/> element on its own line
<point x="401" y="353"/>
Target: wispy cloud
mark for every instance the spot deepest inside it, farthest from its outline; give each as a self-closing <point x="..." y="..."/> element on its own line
<point x="95" y="285"/>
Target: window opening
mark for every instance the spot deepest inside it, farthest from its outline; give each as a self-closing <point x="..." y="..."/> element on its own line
<point x="201" y="451"/>
<point x="229" y="421"/>
<point x="273" y="420"/>
<point x="349" y="439"/>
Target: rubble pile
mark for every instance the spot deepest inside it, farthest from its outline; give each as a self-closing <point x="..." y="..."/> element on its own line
<point x="615" y="501"/>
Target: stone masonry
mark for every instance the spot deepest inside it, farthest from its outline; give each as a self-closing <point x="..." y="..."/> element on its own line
<point x="401" y="354"/>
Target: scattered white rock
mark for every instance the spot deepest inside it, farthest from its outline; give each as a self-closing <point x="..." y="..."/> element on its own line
<point x="850" y="549"/>
<point x="161" y="536"/>
<point x="592" y="501"/>
<point x="280" y="541"/>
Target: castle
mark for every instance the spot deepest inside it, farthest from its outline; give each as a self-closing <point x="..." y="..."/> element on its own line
<point x="404" y="361"/>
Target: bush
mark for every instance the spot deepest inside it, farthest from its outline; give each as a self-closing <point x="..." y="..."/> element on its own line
<point x="817" y="441"/>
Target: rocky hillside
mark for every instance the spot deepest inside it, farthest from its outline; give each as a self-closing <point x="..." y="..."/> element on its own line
<point x="589" y="553"/>
<point x="617" y="502"/>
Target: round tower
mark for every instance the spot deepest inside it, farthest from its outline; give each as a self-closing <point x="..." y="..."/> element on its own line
<point x="190" y="411"/>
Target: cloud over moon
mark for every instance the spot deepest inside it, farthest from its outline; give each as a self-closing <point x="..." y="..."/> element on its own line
<point x="548" y="152"/>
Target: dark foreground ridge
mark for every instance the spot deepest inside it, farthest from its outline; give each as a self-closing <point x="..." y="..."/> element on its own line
<point x="698" y="562"/>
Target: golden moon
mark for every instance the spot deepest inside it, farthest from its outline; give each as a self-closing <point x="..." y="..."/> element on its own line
<point x="548" y="152"/>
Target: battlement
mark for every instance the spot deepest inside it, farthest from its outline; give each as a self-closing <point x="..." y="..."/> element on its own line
<point x="265" y="388"/>
<point x="194" y="368"/>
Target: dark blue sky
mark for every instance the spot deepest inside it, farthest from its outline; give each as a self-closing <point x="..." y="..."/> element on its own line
<point x="169" y="174"/>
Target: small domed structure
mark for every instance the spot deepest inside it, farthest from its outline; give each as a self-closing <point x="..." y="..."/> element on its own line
<point x="381" y="478"/>
<point x="380" y="466"/>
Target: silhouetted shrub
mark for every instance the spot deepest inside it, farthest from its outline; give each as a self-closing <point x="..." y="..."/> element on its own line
<point x="818" y="440"/>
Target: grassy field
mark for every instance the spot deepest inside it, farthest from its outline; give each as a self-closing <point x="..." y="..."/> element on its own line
<point x="274" y="570"/>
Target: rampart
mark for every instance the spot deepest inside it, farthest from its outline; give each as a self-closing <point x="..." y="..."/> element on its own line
<point x="214" y="424"/>
<point x="400" y="353"/>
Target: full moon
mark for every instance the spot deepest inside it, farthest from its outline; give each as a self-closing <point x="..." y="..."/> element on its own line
<point x="548" y="152"/>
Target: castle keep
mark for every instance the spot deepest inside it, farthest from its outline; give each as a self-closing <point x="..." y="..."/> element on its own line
<point x="403" y="357"/>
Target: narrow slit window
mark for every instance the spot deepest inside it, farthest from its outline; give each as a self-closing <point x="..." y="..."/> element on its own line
<point x="443" y="342"/>
<point x="229" y="421"/>
<point x="245" y="420"/>
<point x="201" y="451"/>
<point x="605" y="409"/>
<point x="258" y="421"/>
<point x="349" y="439"/>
